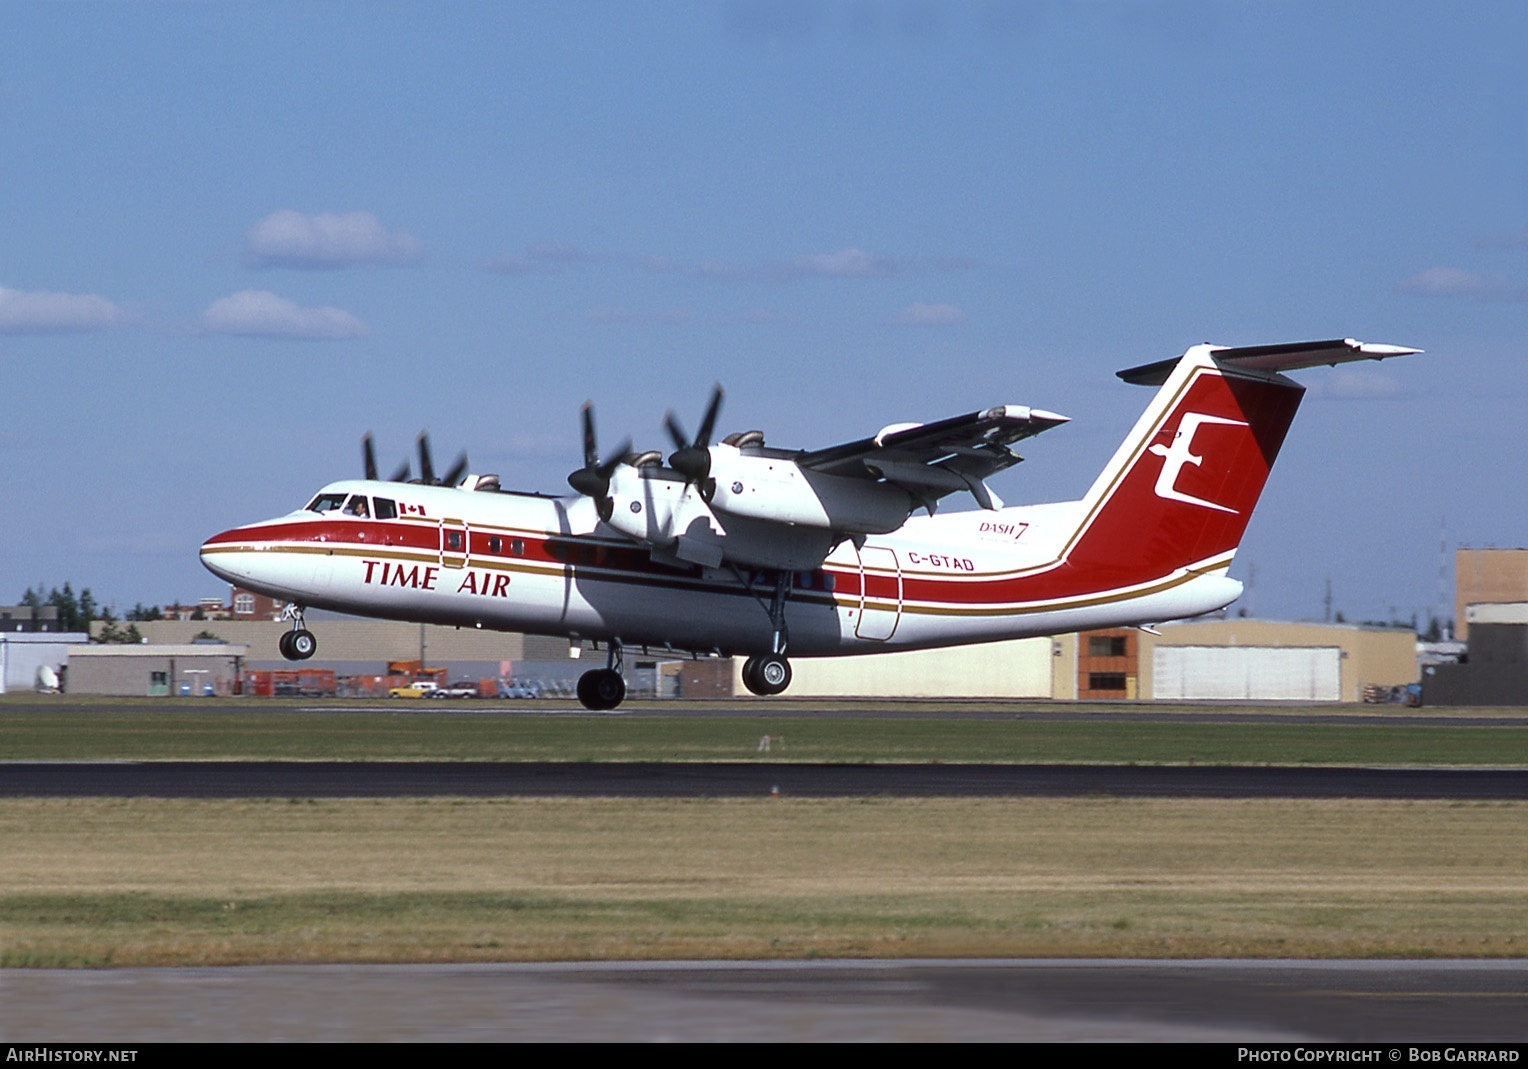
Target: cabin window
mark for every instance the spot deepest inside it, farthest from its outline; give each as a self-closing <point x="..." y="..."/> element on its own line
<point x="517" y="547"/>
<point x="494" y="544"/>
<point x="327" y="502"/>
<point x="454" y="540"/>
<point x="385" y="509"/>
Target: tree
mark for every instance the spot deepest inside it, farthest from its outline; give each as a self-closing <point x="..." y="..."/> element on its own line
<point x="75" y="613"/>
<point x="112" y="635"/>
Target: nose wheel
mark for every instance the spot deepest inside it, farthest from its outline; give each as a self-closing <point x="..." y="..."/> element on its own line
<point x="768" y="675"/>
<point x="297" y="644"/>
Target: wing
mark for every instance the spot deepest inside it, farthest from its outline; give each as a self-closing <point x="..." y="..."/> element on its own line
<point x="930" y="460"/>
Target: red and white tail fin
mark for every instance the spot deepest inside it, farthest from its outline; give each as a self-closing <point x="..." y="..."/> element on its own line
<point x="1178" y="493"/>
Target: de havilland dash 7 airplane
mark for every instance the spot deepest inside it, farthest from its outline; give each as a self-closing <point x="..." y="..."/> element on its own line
<point x="741" y="548"/>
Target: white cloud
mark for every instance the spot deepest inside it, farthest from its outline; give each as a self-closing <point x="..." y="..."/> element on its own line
<point x="37" y="312"/>
<point x="919" y="314"/>
<point x="1457" y="282"/>
<point x="260" y="313"/>
<point x="845" y="263"/>
<point x="288" y="238"/>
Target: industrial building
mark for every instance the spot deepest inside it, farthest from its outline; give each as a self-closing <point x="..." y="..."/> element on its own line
<point x="156" y="671"/>
<point x="1233" y="659"/>
<point x="23" y="653"/>
<point x="1491" y="598"/>
<point x="1224" y="660"/>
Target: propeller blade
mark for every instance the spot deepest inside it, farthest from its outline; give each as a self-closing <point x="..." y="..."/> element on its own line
<point x="402" y="474"/>
<point x="707" y="425"/>
<point x="458" y="469"/>
<point x="692" y="459"/>
<point x="676" y="432"/>
<point x="622" y="451"/>
<point x="426" y="467"/>
<point x="591" y="455"/>
<point x="369" y="456"/>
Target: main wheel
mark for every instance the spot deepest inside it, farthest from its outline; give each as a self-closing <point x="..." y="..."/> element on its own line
<point x="774" y="674"/>
<point x="302" y="644"/>
<point x="600" y="689"/>
<point x="284" y="644"/>
<point x="767" y="676"/>
<point x="751" y="676"/>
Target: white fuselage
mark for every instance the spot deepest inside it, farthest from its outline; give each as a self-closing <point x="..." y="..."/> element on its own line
<point x="515" y="562"/>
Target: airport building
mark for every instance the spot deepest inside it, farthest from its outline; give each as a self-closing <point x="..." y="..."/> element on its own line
<point x="1226" y="660"/>
<point x="23" y="654"/>
<point x="1491" y="599"/>
<point x="1218" y="660"/>
<point x="157" y="671"/>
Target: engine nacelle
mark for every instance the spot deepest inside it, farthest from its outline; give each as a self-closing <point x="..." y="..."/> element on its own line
<point x="777" y="490"/>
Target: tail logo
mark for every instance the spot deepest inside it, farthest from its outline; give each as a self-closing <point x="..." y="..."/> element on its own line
<point x="1181" y="453"/>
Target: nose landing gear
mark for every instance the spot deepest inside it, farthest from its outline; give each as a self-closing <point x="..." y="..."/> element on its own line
<point x="299" y="643"/>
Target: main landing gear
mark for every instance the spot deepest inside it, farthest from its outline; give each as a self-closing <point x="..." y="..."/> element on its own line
<point x="297" y="644"/>
<point x="770" y="674"/>
<point x="601" y="689"/>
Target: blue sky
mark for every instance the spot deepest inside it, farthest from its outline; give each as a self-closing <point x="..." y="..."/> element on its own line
<point x="237" y="236"/>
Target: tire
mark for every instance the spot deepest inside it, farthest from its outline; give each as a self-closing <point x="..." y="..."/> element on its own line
<point x="600" y="689"/>
<point x="767" y="676"/>
<point x="302" y="644"/>
<point x="284" y="644"/>
<point x="751" y="677"/>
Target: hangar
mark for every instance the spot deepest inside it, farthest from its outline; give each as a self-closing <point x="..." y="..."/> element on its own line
<point x="1262" y="660"/>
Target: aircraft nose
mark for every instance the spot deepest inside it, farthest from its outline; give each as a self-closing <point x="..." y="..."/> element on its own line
<point x="217" y="555"/>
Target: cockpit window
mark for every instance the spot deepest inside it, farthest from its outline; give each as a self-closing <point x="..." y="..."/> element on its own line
<point x="358" y="506"/>
<point x="326" y="502"/>
<point x="384" y="509"/>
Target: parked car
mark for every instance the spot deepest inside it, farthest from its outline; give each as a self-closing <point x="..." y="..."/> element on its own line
<point x="420" y="688"/>
<point x="462" y="688"/>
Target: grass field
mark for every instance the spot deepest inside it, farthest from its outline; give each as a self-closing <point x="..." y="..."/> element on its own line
<point x="237" y="733"/>
<point x="93" y="882"/>
<point x="118" y="882"/>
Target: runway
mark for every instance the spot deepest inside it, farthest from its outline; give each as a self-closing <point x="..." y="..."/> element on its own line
<point x="1380" y="1003"/>
<point x="388" y="779"/>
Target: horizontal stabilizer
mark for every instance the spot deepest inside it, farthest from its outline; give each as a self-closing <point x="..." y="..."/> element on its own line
<point x="1290" y="356"/>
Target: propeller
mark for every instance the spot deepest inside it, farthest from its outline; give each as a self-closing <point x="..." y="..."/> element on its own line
<point x="426" y="464"/>
<point x="427" y="476"/>
<point x="593" y="479"/>
<point x="692" y="459"/>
